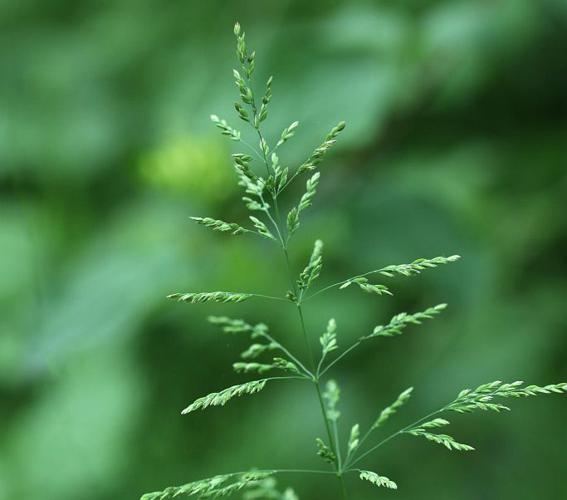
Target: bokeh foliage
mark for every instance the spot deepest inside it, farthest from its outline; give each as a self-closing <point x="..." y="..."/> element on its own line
<point x="455" y="145"/>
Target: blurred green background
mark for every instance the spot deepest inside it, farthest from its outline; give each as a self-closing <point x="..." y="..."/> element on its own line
<point x="456" y="143"/>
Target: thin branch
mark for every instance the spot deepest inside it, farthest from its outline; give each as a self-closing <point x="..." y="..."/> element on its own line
<point x="318" y="372"/>
<point x="306" y="471"/>
<point x="395" y="434"/>
<point x="342" y="355"/>
<point x="341" y="283"/>
<point x="286" y="351"/>
<point x="252" y="148"/>
<point x="338" y="443"/>
<point x="311" y="358"/>
<point x="412" y="268"/>
<point x="270" y="297"/>
<point x="287" y="377"/>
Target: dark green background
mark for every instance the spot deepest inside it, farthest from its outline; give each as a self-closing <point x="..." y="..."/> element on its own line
<point x="456" y="143"/>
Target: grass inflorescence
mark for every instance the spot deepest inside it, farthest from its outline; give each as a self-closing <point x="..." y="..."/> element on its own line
<point x="263" y="187"/>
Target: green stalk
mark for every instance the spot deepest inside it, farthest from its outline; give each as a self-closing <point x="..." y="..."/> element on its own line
<point x="283" y="243"/>
<point x="334" y="445"/>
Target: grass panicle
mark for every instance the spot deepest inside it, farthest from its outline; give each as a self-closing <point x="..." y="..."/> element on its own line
<point x="264" y="177"/>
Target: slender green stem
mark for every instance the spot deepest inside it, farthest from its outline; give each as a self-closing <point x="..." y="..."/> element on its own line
<point x="254" y="233"/>
<point x="342" y="355"/>
<point x="337" y="443"/>
<point x="319" y="366"/>
<point x="270" y="297"/>
<point x="343" y="486"/>
<point x="395" y="434"/>
<point x="343" y="282"/>
<point x="278" y="219"/>
<point x="274" y="223"/>
<point x="289" y="271"/>
<point x="286" y="351"/>
<point x="306" y="337"/>
<point x="306" y="471"/>
<point x="290" y="180"/>
<point x="334" y="443"/>
<point x="326" y="419"/>
<point x="252" y="148"/>
<point x="325" y="289"/>
<point x="291" y="377"/>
